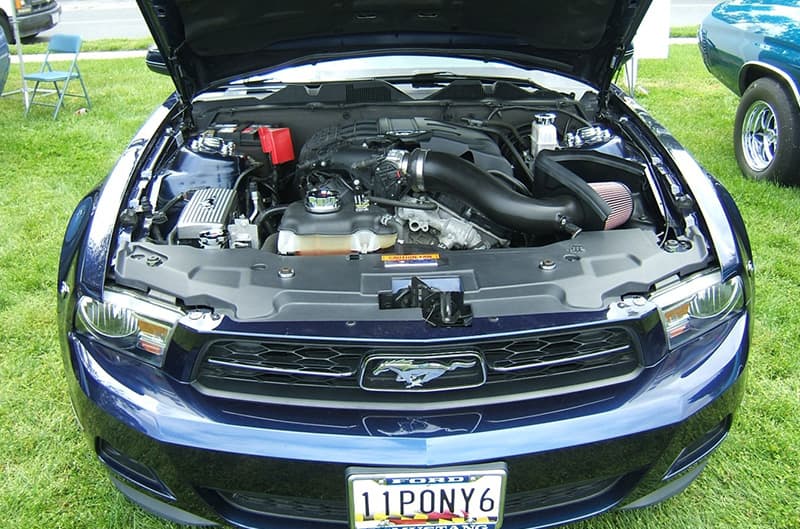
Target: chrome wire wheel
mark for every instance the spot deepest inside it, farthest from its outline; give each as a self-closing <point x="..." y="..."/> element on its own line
<point x="759" y="135"/>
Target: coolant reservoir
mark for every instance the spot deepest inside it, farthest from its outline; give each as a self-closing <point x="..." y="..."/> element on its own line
<point x="543" y="133"/>
<point x="361" y="241"/>
<point x="328" y="223"/>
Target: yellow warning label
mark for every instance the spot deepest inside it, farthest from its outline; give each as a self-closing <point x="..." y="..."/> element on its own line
<point x="410" y="257"/>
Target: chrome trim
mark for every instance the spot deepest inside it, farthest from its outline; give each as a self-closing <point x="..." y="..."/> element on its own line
<point x="410" y="387"/>
<point x="760" y="135"/>
<point x="611" y="315"/>
<point x="280" y="370"/>
<point x="682" y="290"/>
<point x="774" y="69"/>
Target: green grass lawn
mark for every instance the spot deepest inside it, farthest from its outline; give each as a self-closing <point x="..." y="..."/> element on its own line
<point x="40" y="45"/>
<point x="49" y="476"/>
<point x="683" y="31"/>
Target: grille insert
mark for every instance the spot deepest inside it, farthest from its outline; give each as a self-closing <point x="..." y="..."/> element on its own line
<point x="283" y="359"/>
<point x="535" y="500"/>
<point x="542" y="356"/>
<point x="287" y="506"/>
<point x="285" y="368"/>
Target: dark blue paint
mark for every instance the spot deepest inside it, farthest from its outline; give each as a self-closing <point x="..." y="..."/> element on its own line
<point x="95" y="256"/>
<point x="197" y="443"/>
<point x="700" y="382"/>
<point x="73" y="235"/>
<point x="130" y="390"/>
<point x="731" y="243"/>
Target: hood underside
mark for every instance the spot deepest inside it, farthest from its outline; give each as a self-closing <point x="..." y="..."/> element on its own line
<point x="205" y="41"/>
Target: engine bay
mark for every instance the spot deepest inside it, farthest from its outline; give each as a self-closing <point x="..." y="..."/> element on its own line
<point x="368" y="186"/>
<point x="309" y="194"/>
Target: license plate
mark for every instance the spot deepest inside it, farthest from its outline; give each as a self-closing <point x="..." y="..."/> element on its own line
<point x="55" y="18"/>
<point x="469" y="497"/>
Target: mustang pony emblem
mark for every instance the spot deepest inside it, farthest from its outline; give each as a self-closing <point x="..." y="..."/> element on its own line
<point x="414" y="375"/>
<point x="419" y="426"/>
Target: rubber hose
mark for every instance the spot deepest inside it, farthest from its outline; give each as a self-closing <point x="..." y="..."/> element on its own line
<point x="267" y="213"/>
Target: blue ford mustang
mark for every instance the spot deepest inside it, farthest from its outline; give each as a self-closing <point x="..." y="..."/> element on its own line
<point x="753" y="47"/>
<point x="402" y="264"/>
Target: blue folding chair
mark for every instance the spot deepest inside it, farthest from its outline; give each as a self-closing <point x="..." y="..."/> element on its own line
<point x="62" y="44"/>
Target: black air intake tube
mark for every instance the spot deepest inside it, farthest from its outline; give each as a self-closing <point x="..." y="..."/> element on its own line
<point x="439" y="171"/>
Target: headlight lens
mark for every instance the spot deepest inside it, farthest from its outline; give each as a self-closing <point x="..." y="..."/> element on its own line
<point x="698" y="304"/>
<point x="129" y="324"/>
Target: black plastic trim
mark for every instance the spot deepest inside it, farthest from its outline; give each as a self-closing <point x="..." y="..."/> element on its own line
<point x="161" y="509"/>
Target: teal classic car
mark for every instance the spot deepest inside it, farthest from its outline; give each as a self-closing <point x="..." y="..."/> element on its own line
<point x="753" y="47"/>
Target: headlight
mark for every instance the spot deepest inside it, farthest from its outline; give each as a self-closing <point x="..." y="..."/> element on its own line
<point x="697" y="304"/>
<point x="129" y="324"/>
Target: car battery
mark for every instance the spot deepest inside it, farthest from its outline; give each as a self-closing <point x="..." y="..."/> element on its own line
<point x="277" y="142"/>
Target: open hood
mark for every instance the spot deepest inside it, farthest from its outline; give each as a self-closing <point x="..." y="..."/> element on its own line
<point x="206" y="41"/>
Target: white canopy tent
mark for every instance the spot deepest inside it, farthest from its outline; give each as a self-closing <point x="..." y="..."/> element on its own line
<point x="650" y="42"/>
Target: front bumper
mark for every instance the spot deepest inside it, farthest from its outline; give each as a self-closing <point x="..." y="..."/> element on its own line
<point x="260" y="465"/>
<point x="39" y="20"/>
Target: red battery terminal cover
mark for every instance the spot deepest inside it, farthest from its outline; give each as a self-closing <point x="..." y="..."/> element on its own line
<point x="277" y="143"/>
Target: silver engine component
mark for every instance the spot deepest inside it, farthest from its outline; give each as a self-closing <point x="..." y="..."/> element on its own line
<point x="205" y="217"/>
<point x="588" y="136"/>
<point x="213" y="145"/>
<point x="443" y="225"/>
<point x="243" y="234"/>
<point x="323" y="201"/>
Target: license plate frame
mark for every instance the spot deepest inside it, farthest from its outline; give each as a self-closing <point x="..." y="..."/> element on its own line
<point x="370" y="491"/>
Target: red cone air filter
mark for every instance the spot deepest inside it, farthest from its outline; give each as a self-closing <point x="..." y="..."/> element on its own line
<point x="619" y="199"/>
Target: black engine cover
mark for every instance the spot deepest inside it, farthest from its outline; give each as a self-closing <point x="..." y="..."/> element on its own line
<point x="451" y="138"/>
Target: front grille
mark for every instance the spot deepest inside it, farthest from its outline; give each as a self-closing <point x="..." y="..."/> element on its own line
<point x="542" y="356"/>
<point x="286" y="506"/>
<point x="535" y="500"/>
<point x="540" y="361"/>
<point x="41" y="5"/>
<point x="315" y="509"/>
<point x="282" y="362"/>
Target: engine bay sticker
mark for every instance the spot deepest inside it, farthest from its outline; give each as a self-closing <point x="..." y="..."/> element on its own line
<point x="401" y="260"/>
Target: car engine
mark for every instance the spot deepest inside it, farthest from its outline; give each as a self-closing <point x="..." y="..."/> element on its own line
<point x="368" y="186"/>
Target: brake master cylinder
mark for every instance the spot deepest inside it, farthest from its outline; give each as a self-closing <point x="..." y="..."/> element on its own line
<point x="543" y="133"/>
